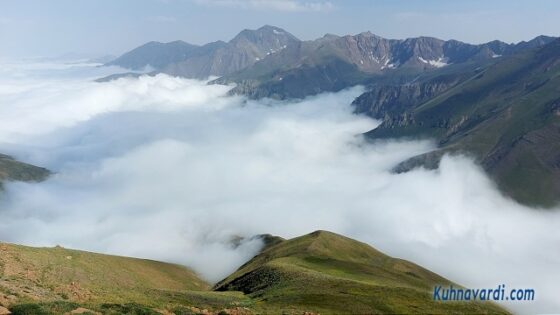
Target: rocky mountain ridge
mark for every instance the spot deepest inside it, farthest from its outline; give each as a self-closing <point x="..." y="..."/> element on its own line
<point x="212" y="59"/>
<point x="304" y="68"/>
<point x="271" y="62"/>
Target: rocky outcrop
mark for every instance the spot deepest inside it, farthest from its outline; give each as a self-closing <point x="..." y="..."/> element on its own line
<point x="387" y="101"/>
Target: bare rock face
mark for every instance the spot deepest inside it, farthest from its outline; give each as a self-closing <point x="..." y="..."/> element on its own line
<point x="382" y="100"/>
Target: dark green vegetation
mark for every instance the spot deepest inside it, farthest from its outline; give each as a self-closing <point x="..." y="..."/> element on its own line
<point x="331" y="74"/>
<point x="321" y="272"/>
<point x="506" y="115"/>
<point x="12" y="170"/>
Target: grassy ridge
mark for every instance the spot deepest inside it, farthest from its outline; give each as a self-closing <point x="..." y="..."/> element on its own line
<point x="331" y="274"/>
<point x="321" y="272"/>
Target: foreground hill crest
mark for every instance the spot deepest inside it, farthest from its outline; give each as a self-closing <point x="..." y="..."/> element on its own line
<point x="329" y="273"/>
<point x="321" y="272"/>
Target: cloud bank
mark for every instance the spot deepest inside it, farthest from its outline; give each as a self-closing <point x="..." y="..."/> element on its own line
<point x="172" y="169"/>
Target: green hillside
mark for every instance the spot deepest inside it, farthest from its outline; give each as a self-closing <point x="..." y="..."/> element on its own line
<point x="507" y="117"/>
<point x="330" y="274"/>
<point x="58" y="280"/>
<point x="319" y="273"/>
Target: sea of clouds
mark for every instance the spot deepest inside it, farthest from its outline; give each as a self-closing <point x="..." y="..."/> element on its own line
<point x="174" y="169"/>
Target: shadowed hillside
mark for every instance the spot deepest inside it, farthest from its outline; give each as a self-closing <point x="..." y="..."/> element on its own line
<point x="507" y="117"/>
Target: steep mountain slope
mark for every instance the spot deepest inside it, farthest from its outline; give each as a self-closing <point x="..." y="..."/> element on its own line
<point x="12" y="170"/>
<point x="154" y="54"/>
<point x="507" y="117"/>
<point x="331" y="274"/>
<point x="386" y="98"/>
<point x="332" y="62"/>
<point x="220" y="58"/>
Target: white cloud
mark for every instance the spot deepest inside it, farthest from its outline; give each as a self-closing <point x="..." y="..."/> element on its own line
<point x="278" y="5"/>
<point x="63" y="102"/>
<point x="171" y="169"/>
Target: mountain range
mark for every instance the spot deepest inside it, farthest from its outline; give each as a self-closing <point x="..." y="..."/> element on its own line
<point x="213" y="59"/>
<point x="271" y="62"/>
<point x="496" y="102"/>
<point x="318" y="273"/>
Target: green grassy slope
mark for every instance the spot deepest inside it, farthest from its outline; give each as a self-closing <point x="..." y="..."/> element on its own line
<point x="330" y="274"/>
<point x="317" y="273"/>
<point x="58" y="280"/>
<point x="507" y="117"/>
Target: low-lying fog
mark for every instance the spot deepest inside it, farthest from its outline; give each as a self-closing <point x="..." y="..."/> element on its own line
<point x="171" y="169"/>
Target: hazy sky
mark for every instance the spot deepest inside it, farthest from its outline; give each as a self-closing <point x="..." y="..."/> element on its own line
<point x="42" y="27"/>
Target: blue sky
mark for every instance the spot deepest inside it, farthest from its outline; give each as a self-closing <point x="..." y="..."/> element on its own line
<point x="55" y="27"/>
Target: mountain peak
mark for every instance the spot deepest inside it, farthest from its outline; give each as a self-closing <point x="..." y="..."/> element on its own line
<point x="270" y="28"/>
<point x="323" y="234"/>
<point x="366" y="33"/>
<point x="266" y="31"/>
<point x="329" y="35"/>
